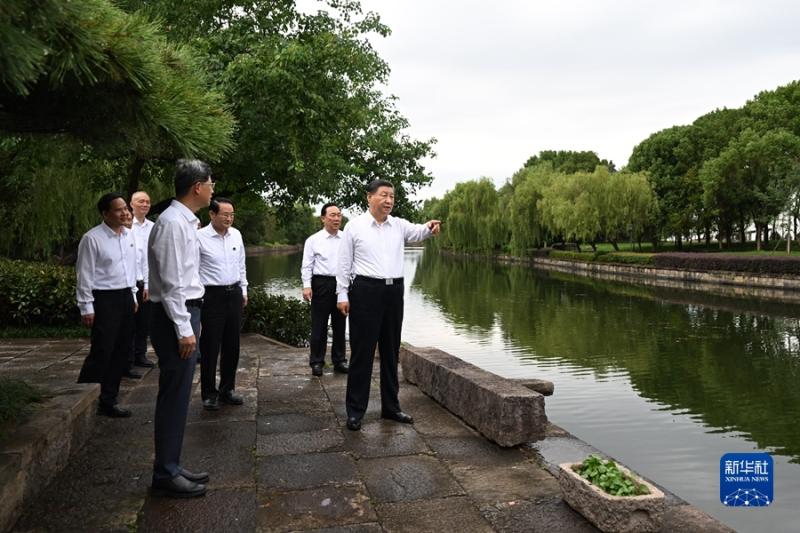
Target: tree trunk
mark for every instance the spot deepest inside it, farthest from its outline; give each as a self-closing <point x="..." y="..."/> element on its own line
<point x="679" y="242"/>
<point x="134" y="173"/>
<point x="758" y="237"/>
<point x="766" y="233"/>
<point x="708" y="236"/>
<point x="614" y="244"/>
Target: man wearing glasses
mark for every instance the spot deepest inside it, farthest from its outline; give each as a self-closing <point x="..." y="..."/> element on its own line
<point x="177" y="295"/>
<point x="224" y="276"/>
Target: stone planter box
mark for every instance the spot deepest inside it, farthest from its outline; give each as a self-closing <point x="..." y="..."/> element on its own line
<point x="612" y="514"/>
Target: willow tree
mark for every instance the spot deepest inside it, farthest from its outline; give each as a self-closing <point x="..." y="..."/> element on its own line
<point x="472" y="218"/>
<point x="525" y="220"/>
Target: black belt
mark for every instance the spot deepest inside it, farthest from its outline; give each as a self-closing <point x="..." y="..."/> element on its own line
<point x="140" y="283"/>
<point x="230" y="287"/>
<point x="379" y="281"/>
<point x="320" y="276"/>
<point x="196" y="302"/>
<point x="110" y="291"/>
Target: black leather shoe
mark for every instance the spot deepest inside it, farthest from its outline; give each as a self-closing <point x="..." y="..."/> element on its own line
<point x="144" y="363"/>
<point x="341" y="368"/>
<point x="399" y="416"/>
<point x="178" y="487"/>
<point x="114" y="411"/>
<point x="210" y="404"/>
<point x="131" y="374"/>
<point x="199" y="477"/>
<point x="353" y="423"/>
<point x="231" y="399"/>
<point x="316" y="370"/>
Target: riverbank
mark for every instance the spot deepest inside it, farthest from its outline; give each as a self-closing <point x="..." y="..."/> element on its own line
<point x="273" y="249"/>
<point x="783" y="288"/>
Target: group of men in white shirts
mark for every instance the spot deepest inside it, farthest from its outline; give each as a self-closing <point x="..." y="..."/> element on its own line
<point x="190" y="276"/>
<point x="137" y="278"/>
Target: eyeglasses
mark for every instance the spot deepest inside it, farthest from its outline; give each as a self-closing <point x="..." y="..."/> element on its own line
<point x="209" y="183"/>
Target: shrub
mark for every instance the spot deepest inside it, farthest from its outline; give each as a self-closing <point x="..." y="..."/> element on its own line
<point x="607" y="475"/>
<point x="760" y="264"/>
<point x="284" y="319"/>
<point x="37" y="294"/>
<point x="585" y="257"/>
<point x="625" y="258"/>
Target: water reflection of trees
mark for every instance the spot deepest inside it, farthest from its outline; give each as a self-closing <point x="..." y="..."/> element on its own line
<point x="735" y="369"/>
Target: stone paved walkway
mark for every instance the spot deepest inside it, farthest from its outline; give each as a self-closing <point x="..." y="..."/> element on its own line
<point x="285" y="462"/>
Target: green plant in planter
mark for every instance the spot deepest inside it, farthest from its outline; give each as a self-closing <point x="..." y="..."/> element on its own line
<point x="606" y="475"/>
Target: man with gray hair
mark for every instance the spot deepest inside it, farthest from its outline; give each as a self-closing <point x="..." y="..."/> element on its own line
<point x="177" y="296"/>
<point x="141" y="228"/>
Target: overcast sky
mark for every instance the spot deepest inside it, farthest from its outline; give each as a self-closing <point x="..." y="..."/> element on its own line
<point x="498" y="81"/>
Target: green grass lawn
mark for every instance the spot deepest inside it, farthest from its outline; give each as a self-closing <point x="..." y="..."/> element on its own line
<point x="738" y="248"/>
<point x="15" y="400"/>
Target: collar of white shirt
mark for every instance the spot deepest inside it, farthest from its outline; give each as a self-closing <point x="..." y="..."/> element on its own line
<point x="211" y="232"/>
<point x="185" y="211"/>
<point x="376" y="223"/>
<point x="111" y="233"/>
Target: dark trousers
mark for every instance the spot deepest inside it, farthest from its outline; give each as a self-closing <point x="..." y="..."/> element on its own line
<point x="222" y="322"/>
<point x="112" y="334"/>
<point x="142" y="326"/>
<point x="174" y="391"/>
<point x="323" y="305"/>
<point x="376" y="318"/>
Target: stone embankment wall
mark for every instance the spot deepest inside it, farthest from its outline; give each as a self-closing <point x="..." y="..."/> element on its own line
<point x="502" y="410"/>
<point x="736" y="284"/>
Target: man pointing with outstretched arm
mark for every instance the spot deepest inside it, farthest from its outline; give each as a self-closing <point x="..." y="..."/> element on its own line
<point x="369" y="287"/>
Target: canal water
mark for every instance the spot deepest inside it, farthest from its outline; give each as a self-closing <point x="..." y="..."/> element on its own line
<point x="664" y="380"/>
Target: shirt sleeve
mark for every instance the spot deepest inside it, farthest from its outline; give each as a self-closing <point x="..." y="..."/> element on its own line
<point x="84" y="269"/>
<point x="307" y="267"/>
<point x="242" y="267"/>
<point x="168" y="248"/>
<point x="415" y="232"/>
<point x="344" y="269"/>
<point x="145" y="269"/>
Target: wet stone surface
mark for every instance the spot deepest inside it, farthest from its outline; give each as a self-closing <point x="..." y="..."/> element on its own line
<point x="285" y="462"/>
<point x="407" y="478"/>
<point x="314" y="509"/>
<point x="296" y="472"/>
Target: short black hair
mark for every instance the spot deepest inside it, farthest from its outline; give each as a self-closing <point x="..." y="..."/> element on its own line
<point x="214" y="207"/>
<point x="325" y="208"/>
<point x="187" y="173"/>
<point x="104" y="203"/>
<point x="376" y="184"/>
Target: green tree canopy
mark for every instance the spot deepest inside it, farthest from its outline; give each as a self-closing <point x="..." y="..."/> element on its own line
<point x="570" y="161"/>
<point x="108" y="78"/>
<point x="305" y="88"/>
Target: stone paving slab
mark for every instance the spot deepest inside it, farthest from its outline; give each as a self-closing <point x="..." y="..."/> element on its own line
<point x="285" y="462"/>
<point x="310" y="509"/>
<point x="441" y="514"/>
<point x="296" y="472"/>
